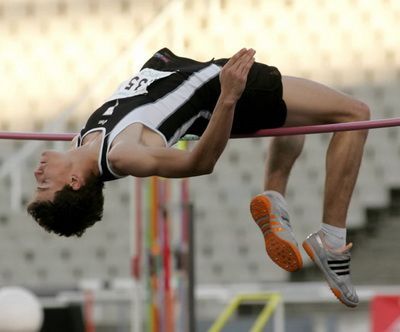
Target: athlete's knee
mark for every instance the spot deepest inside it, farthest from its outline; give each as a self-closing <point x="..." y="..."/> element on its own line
<point x="288" y="145"/>
<point x="361" y="111"/>
<point x="357" y="111"/>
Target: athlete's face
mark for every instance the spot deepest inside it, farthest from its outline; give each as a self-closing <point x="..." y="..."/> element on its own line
<point x="52" y="174"/>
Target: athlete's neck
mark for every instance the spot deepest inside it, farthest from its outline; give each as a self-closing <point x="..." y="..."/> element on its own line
<point x="85" y="158"/>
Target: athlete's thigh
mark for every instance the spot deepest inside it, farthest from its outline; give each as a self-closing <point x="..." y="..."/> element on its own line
<point x="310" y="102"/>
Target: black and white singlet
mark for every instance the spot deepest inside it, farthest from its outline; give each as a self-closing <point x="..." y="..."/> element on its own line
<point x="175" y="96"/>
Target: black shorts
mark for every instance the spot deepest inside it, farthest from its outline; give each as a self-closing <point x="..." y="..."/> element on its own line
<point x="261" y="105"/>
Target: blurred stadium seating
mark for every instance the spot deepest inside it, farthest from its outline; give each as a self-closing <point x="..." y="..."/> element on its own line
<point x="54" y="51"/>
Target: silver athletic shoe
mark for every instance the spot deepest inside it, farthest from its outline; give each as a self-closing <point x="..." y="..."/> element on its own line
<point x="335" y="265"/>
<point x="269" y="211"/>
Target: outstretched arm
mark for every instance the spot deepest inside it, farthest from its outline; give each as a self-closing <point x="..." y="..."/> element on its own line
<point x="168" y="162"/>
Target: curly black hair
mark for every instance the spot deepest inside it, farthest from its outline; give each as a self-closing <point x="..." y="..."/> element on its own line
<point x="72" y="211"/>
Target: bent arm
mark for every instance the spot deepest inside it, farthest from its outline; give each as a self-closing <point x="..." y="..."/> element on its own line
<point x="145" y="161"/>
<point x="168" y="162"/>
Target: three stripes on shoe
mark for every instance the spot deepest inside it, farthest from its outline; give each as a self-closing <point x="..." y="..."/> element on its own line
<point x="340" y="267"/>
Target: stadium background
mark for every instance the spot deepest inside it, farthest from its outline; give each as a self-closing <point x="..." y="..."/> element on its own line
<point x="60" y="59"/>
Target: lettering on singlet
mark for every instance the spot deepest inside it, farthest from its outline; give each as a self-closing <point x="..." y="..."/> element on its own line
<point x="138" y="84"/>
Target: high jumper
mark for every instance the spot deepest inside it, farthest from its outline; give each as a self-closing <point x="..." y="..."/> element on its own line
<point x="134" y="131"/>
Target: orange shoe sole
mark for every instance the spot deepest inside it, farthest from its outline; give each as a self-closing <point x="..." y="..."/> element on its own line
<point x="283" y="253"/>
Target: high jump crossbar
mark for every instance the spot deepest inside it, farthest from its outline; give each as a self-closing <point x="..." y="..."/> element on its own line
<point x="286" y="131"/>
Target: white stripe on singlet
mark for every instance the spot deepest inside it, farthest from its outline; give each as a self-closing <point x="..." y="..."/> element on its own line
<point x="178" y="134"/>
<point x="153" y="114"/>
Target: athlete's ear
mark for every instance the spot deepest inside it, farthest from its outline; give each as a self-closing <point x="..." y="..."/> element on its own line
<point x="76" y="182"/>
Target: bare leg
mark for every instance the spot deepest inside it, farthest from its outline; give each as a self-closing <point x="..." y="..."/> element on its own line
<point x="312" y="103"/>
<point x="283" y="152"/>
<point x="309" y="103"/>
<point x="269" y="209"/>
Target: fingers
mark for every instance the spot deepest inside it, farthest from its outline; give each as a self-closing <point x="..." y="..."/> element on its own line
<point x="240" y="56"/>
<point x="247" y="66"/>
<point x="243" y="64"/>
<point x="236" y="57"/>
<point x="246" y="61"/>
<point x="233" y="76"/>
